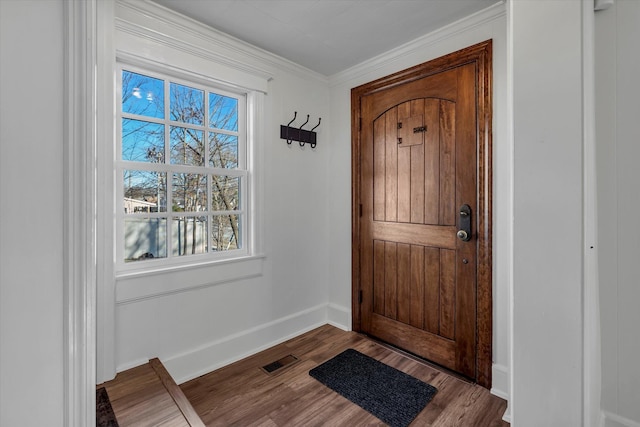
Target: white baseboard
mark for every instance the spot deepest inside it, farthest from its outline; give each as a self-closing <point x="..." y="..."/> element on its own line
<point x="500" y="381"/>
<point x="339" y="316"/>
<point x="610" y="419"/>
<point x="500" y="386"/>
<point x="214" y="355"/>
<point x="507" y="414"/>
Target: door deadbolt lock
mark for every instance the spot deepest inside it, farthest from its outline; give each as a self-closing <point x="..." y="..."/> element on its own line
<point x="464" y="233"/>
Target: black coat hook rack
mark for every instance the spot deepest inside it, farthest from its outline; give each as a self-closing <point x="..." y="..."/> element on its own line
<point x="303" y="136"/>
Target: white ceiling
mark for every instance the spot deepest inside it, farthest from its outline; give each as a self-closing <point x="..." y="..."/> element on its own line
<point x="327" y="36"/>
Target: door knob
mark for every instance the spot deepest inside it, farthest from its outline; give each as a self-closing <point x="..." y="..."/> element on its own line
<point x="464" y="233"/>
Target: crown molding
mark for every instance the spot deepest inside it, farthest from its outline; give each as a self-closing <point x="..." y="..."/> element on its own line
<point x="466" y="24"/>
<point x="149" y="20"/>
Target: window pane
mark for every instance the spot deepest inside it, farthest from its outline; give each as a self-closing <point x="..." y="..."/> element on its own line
<point x="189" y="235"/>
<point x="183" y="162"/>
<point x="223" y="150"/>
<point x="225" y="232"/>
<point x="189" y="192"/>
<point x="142" y="95"/>
<point x="187" y="146"/>
<point x="144" y="191"/>
<point x="187" y="104"/>
<point x="144" y="238"/>
<point x="142" y="141"/>
<point x="225" y="193"/>
<point x="223" y="112"/>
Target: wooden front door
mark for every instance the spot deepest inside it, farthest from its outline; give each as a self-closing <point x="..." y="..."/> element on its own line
<point x="422" y="211"/>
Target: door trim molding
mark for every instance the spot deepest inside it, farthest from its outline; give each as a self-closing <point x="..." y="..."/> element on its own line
<point x="590" y="314"/>
<point x="79" y="246"/>
<point x="481" y="55"/>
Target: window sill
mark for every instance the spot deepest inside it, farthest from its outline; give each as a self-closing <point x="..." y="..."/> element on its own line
<point x="167" y="280"/>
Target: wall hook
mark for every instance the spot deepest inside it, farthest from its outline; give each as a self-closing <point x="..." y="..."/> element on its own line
<point x="299" y="134"/>
<point x="319" y="120"/>
<point x="300" y="129"/>
<point x="313" y="144"/>
<point x="289" y="140"/>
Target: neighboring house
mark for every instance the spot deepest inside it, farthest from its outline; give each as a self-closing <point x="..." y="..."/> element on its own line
<point x="301" y="277"/>
<point x="135" y="205"/>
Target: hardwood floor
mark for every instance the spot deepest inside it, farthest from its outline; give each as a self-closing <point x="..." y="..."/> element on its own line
<point x="242" y="394"/>
<point x="147" y="396"/>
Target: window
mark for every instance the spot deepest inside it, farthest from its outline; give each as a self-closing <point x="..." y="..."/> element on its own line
<point x="181" y="170"/>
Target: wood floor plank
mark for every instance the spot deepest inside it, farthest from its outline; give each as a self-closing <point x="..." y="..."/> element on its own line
<point x="176" y="394"/>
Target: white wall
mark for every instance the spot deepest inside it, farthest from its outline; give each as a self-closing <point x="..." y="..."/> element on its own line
<point x="31" y="209"/>
<point x="618" y="151"/>
<point x="489" y="24"/>
<point x="197" y="330"/>
<point x="307" y="223"/>
<point x="307" y="217"/>
<point x="548" y="218"/>
<point x="306" y="200"/>
<point x="300" y="207"/>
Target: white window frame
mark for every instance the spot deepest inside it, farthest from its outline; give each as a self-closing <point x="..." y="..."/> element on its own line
<point x="247" y="132"/>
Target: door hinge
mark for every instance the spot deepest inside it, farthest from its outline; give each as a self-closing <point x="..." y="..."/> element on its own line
<point x="360" y="124"/>
<point x="360" y="297"/>
<point x="361" y="209"/>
